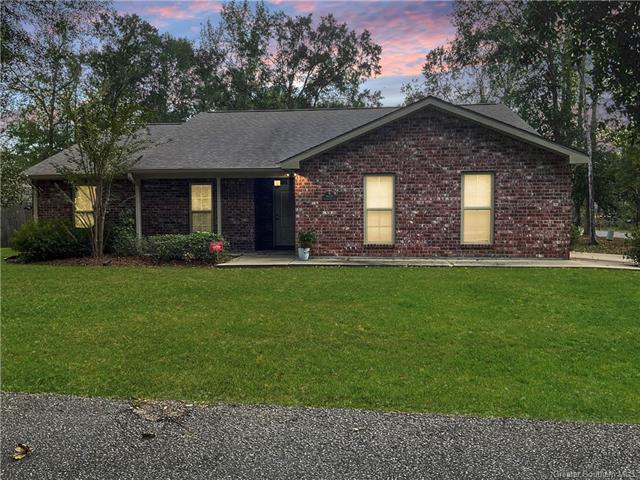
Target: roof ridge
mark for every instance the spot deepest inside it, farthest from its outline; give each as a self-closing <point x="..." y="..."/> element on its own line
<point x="481" y="103"/>
<point x="269" y="110"/>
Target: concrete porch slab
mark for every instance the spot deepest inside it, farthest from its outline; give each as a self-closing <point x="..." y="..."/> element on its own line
<point x="288" y="260"/>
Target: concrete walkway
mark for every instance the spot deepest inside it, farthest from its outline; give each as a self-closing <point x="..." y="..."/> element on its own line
<point x="578" y="260"/>
<point x="93" y="438"/>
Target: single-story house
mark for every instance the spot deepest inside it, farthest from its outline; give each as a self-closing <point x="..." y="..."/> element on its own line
<point x="428" y="179"/>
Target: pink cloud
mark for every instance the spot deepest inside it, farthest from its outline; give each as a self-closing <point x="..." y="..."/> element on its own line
<point x="406" y="30"/>
<point x="183" y="10"/>
<point x="171" y="11"/>
<point x="205" y="6"/>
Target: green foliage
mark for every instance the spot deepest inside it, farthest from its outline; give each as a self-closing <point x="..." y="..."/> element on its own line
<point x="41" y="68"/>
<point x="48" y="239"/>
<point x="257" y="59"/>
<point x="15" y="189"/>
<point x="633" y="253"/>
<point x="121" y="236"/>
<point x="187" y="248"/>
<point x="109" y="139"/>
<point x="576" y="233"/>
<point x="307" y="238"/>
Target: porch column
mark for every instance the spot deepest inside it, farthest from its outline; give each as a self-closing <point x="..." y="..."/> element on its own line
<point x="219" y="205"/>
<point x="138" y="209"/>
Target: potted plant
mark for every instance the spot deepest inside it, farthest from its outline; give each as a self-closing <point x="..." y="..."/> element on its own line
<point x="306" y="239"/>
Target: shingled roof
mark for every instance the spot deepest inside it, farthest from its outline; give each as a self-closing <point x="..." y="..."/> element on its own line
<point x="266" y="139"/>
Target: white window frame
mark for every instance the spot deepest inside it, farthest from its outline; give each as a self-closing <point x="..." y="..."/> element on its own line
<point x="393" y="208"/>
<point x="491" y="209"/>
<point x="192" y="211"/>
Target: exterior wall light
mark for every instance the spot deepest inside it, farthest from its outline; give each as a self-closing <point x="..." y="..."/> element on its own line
<point x="276" y="182"/>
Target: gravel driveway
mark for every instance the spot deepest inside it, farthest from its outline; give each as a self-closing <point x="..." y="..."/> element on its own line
<point x="91" y="438"/>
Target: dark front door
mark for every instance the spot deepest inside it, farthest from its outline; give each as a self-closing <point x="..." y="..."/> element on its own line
<point x="283" y="213"/>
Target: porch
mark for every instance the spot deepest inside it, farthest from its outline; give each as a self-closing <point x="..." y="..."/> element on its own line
<point x="252" y="213"/>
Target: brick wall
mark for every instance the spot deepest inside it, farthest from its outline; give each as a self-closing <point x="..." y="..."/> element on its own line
<point x="53" y="199"/>
<point x="238" y="213"/>
<point x="427" y="152"/>
<point x="165" y="208"/>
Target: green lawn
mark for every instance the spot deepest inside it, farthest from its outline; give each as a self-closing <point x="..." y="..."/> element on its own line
<point x="544" y="343"/>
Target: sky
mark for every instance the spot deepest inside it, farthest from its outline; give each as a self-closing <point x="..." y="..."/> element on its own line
<point x="407" y="30"/>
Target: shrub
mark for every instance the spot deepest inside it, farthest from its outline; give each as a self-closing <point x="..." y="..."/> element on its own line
<point x="50" y="238"/>
<point x="190" y="248"/>
<point x="576" y="233"/>
<point x="633" y="253"/>
<point x="121" y="237"/>
<point x="307" y="238"/>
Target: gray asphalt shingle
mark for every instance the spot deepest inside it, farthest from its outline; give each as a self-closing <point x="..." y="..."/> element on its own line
<point x="257" y="139"/>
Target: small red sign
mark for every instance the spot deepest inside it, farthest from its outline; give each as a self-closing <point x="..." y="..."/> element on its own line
<point x="216" y="246"/>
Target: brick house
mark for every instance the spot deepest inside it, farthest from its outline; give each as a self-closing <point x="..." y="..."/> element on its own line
<point x="428" y="179"/>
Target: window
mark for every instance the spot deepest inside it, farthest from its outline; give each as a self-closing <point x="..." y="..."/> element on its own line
<point x="201" y="208"/>
<point x="83" y="206"/>
<point x="477" y="208"/>
<point x="379" y="209"/>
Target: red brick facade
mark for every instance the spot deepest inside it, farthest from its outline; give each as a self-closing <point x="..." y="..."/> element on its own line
<point x="54" y="199"/>
<point x="166" y="208"/>
<point x="427" y="152"/>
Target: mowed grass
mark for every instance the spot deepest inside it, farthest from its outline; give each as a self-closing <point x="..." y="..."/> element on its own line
<point x="542" y="343"/>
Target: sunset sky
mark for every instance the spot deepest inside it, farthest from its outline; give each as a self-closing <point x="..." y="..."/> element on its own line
<point x="405" y="29"/>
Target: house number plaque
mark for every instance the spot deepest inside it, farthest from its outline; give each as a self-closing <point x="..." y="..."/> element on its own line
<point x="329" y="197"/>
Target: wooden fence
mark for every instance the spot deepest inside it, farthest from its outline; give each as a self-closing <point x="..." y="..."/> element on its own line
<point x="11" y="218"/>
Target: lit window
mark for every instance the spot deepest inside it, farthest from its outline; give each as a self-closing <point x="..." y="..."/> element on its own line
<point x="477" y="208"/>
<point x="201" y="208"/>
<point x="83" y="206"/>
<point x="379" y="209"/>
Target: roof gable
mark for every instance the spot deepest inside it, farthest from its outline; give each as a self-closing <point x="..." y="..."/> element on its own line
<point x="522" y="131"/>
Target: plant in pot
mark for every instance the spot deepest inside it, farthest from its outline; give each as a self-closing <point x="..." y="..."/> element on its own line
<point x="306" y="239"/>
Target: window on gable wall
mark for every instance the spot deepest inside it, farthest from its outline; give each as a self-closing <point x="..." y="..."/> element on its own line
<point x="477" y="208"/>
<point x="379" y="192"/>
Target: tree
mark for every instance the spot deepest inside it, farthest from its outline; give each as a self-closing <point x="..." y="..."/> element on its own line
<point x="14" y="185"/>
<point x="324" y="65"/>
<point x="40" y="67"/>
<point x="123" y="59"/>
<point x="546" y="60"/>
<point x="108" y="141"/>
<point x="134" y="62"/>
<point x="238" y="48"/>
<point x="258" y="59"/>
<point x="170" y="89"/>
<point x="629" y="169"/>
